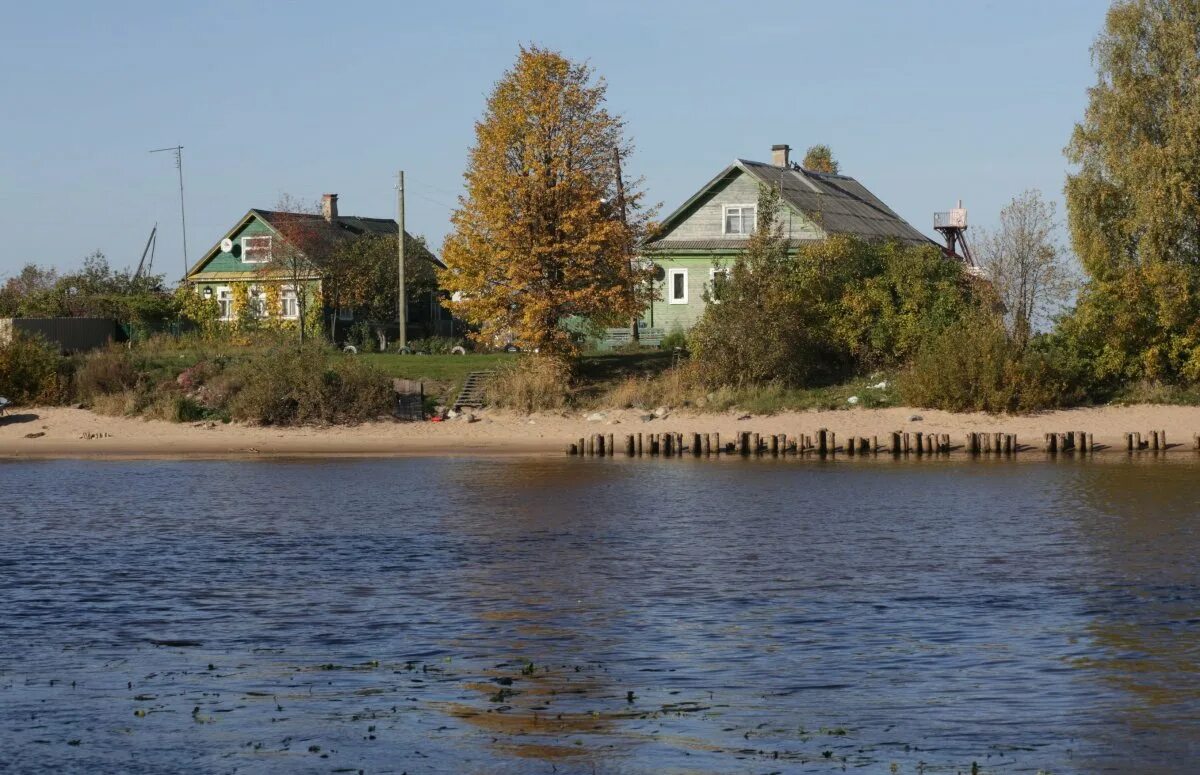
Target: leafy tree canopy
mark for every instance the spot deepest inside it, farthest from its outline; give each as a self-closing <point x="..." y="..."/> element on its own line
<point x="549" y="225"/>
<point x="819" y="158"/>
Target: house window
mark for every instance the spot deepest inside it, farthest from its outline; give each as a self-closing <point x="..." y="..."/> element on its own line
<point x="257" y="302"/>
<point x="289" y="305"/>
<point x="677" y="290"/>
<point x="717" y="277"/>
<point x="739" y="219"/>
<point x="225" y="302"/>
<point x="256" y="250"/>
<point x="345" y="313"/>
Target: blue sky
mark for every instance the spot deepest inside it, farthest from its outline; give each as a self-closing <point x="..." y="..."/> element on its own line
<point x="925" y="102"/>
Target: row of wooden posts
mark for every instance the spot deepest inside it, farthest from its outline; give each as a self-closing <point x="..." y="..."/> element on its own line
<point x="825" y="442"/>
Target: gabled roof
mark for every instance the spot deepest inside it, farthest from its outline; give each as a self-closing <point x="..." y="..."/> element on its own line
<point x="838" y="204"/>
<point x="348" y="227"/>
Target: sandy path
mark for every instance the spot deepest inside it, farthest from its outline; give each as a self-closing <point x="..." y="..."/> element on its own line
<point x="80" y="433"/>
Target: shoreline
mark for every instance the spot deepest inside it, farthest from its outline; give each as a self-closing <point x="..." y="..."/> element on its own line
<point x="67" y="433"/>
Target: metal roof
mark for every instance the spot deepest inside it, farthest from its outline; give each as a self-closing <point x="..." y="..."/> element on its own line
<point x="838" y="204"/>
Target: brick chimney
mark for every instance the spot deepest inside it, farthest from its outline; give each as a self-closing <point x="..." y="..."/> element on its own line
<point x="329" y="207"/>
<point x="780" y="154"/>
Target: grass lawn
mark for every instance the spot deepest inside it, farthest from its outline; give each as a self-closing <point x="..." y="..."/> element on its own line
<point x="435" y="368"/>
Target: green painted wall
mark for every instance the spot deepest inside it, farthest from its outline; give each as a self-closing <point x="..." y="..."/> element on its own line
<point x="669" y="316"/>
<point x="231" y="262"/>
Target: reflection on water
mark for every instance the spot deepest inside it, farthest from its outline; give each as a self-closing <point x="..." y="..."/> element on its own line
<point x="540" y="615"/>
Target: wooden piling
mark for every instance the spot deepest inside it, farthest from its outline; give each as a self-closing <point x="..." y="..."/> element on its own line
<point x="610" y="446"/>
<point x="1137" y="440"/>
<point x="572" y="449"/>
<point x="639" y="445"/>
<point x="630" y="446"/>
<point x="1052" y="443"/>
<point x="717" y="443"/>
<point x="668" y="444"/>
<point x="822" y="442"/>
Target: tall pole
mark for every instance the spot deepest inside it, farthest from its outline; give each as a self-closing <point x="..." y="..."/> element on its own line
<point x="178" y="149"/>
<point x="401" y="296"/>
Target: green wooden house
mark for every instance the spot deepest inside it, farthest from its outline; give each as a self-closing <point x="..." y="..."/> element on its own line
<point x="233" y="271"/>
<point x="697" y="241"/>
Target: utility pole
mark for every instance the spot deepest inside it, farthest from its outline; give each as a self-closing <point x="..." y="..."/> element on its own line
<point x="178" y="149"/>
<point x="401" y="296"/>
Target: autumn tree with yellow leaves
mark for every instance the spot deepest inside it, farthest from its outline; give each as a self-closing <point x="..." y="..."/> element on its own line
<point x="548" y="228"/>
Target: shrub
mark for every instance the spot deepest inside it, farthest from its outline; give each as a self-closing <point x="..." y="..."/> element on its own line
<point x="816" y="314"/>
<point x="530" y="384"/>
<point x="975" y="366"/>
<point x="436" y="345"/>
<point x="110" y="370"/>
<point x="310" y="385"/>
<point x="673" y="339"/>
<point x="31" y="370"/>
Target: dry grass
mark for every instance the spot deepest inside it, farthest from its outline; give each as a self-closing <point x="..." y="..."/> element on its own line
<point x="530" y="384"/>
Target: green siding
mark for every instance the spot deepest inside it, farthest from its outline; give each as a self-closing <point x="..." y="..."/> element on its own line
<point x="231" y="262"/>
<point x="669" y="316"/>
<point x="705" y="219"/>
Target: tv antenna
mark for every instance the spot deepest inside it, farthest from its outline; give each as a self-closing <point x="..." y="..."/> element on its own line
<point x="178" y="149"/>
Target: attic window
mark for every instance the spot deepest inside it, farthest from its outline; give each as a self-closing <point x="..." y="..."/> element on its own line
<point x="256" y="250"/>
<point x="739" y="219"/>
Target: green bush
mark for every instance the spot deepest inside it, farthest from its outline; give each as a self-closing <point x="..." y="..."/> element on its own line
<point x="675" y="338"/>
<point x="436" y="345"/>
<point x="106" y="371"/>
<point x="32" y="371"/>
<point x="975" y="366"/>
<point x="309" y="386"/>
<point x="814" y="315"/>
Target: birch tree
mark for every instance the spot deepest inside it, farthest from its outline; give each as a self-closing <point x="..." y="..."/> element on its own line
<point x="1029" y="268"/>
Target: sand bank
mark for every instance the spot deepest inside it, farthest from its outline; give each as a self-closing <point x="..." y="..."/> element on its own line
<point x="78" y="433"/>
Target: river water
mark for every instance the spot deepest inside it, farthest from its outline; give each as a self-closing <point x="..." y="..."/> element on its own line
<point x="530" y="615"/>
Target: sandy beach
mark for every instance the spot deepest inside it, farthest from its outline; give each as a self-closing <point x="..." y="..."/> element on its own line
<point x="59" y="432"/>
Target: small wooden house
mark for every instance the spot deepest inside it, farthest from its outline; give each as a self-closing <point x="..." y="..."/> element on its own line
<point x="697" y="241"/>
<point x="238" y="269"/>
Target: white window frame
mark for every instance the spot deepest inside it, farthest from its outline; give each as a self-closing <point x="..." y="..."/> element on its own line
<point x="671" y="274"/>
<point x="712" y="282"/>
<point x="287" y="293"/>
<point x="246" y="251"/>
<point x="227" y="292"/>
<point x="345" y="313"/>
<point x="741" y="219"/>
